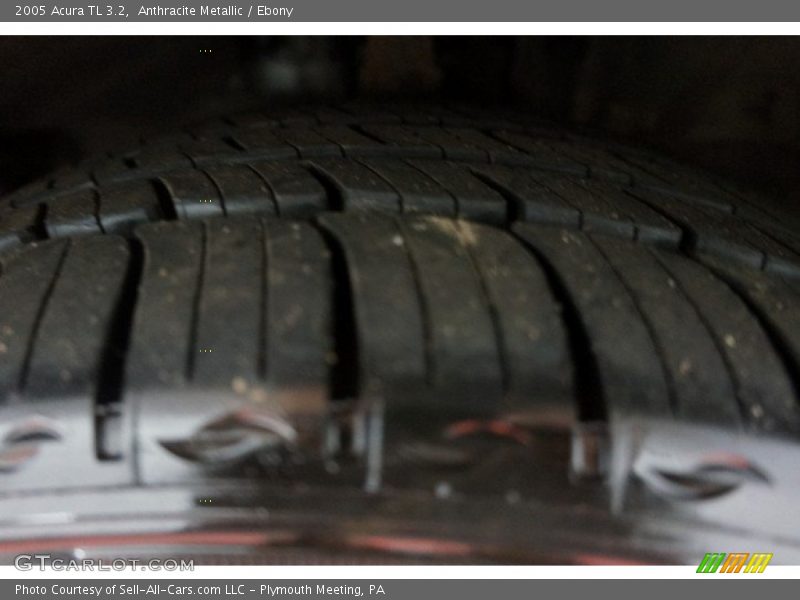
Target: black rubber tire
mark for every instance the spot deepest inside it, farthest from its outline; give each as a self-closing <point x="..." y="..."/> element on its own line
<point x="452" y="264"/>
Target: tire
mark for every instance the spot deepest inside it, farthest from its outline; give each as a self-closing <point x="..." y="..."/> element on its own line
<point x="322" y="293"/>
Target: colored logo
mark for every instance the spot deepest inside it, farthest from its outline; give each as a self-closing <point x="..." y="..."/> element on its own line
<point x="735" y="562"/>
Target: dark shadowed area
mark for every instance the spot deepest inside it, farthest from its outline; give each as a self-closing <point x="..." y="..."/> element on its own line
<point x="730" y="104"/>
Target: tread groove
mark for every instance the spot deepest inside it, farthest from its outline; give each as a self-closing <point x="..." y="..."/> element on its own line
<point x="39" y="229"/>
<point x="645" y="318"/>
<point x="344" y="372"/>
<point x="514" y="208"/>
<point x="332" y="192"/>
<point x="165" y="203"/>
<point x="400" y="199"/>
<point x="776" y="338"/>
<point x="261" y="360"/>
<point x="217" y="187"/>
<point x="111" y="372"/>
<point x="231" y="141"/>
<point x="194" y="326"/>
<point x="97" y="201"/>
<point x="587" y="383"/>
<point x="40" y="313"/>
<point x="688" y="239"/>
<point x="361" y="130"/>
<point x="430" y="363"/>
<point x="275" y="204"/>
<point x="714" y="338"/>
<point x="493" y="312"/>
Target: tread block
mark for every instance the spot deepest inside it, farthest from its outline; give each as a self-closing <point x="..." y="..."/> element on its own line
<point x="249" y="333"/>
<point x="161" y="339"/>
<point x="242" y="190"/>
<point x="71" y="180"/>
<point x="309" y="143"/>
<point x="631" y="375"/>
<point x="452" y="146"/>
<point x="541" y="154"/>
<point x="532" y="200"/>
<point x="299" y="318"/>
<point x="785" y="261"/>
<point x="262" y="306"/>
<point x="53" y="347"/>
<point x="601" y="163"/>
<point x="28" y="194"/>
<point x="29" y="274"/>
<point x="351" y="141"/>
<point x="401" y="141"/>
<point x="700" y="385"/>
<point x="124" y="207"/>
<point x="597" y="215"/>
<point x="70" y="344"/>
<point x="391" y="336"/>
<point x="717" y="233"/>
<point x="72" y="215"/>
<point x="774" y="300"/>
<point x="464" y="363"/>
<point x="264" y="143"/>
<point x="297" y="193"/>
<point x="193" y="194"/>
<point x="212" y="149"/>
<point x="763" y="388"/>
<point x="116" y="170"/>
<point x="667" y="177"/>
<point x="147" y="161"/>
<point x="651" y="226"/>
<point x="229" y="305"/>
<point x="758" y="206"/>
<point x="474" y="199"/>
<point x="359" y="187"/>
<point x="532" y="336"/>
<point x="418" y="192"/>
<point x="17" y="226"/>
<point x="607" y="209"/>
<point x="497" y="151"/>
